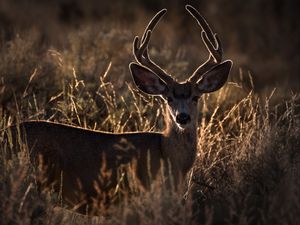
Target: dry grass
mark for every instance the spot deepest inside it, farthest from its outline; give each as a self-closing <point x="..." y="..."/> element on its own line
<point x="248" y="165"/>
<point x="247" y="169"/>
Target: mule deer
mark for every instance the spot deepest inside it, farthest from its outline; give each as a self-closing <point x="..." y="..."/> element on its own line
<point x="74" y="156"/>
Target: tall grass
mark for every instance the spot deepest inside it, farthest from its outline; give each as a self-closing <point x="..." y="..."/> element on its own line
<point x="247" y="168"/>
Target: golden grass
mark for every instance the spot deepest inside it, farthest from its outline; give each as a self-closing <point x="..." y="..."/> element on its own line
<point x="247" y="168"/>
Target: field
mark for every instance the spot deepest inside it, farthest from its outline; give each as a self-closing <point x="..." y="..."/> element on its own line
<point x="68" y="62"/>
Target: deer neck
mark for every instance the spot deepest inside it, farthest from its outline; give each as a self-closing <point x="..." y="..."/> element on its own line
<point x="179" y="146"/>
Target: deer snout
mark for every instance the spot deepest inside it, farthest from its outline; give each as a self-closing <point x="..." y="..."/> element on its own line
<point x="183" y="118"/>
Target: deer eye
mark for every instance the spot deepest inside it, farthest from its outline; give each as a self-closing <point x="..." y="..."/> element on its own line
<point x="195" y="98"/>
<point x="169" y="99"/>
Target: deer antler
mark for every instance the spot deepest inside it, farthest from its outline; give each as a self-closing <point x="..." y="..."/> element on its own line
<point x="140" y="49"/>
<point x="212" y="43"/>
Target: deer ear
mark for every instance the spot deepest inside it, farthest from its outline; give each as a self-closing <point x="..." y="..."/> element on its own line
<point x="215" y="78"/>
<point x="146" y="80"/>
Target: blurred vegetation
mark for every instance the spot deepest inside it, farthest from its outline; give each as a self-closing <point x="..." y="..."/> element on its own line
<point x="260" y="36"/>
<point x="67" y="61"/>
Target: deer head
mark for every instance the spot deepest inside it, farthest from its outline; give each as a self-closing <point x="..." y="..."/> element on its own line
<point x="181" y="97"/>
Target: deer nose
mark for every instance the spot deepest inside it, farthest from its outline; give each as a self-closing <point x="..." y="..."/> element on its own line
<point x="183" y="118"/>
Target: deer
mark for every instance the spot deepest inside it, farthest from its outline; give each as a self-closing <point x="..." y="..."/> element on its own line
<point x="74" y="156"/>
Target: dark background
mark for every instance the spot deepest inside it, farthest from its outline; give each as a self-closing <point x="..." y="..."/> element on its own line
<point x="261" y="37"/>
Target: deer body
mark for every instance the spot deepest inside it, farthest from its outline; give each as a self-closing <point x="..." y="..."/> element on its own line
<point x="74" y="157"/>
<point x="81" y="149"/>
<point x="79" y="153"/>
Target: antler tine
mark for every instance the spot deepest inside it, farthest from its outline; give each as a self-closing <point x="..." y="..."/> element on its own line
<point x="153" y="22"/>
<point x="211" y="41"/>
<point x="140" y="49"/>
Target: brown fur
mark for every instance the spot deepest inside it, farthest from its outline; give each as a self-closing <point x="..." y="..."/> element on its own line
<point x="76" y="156"/>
